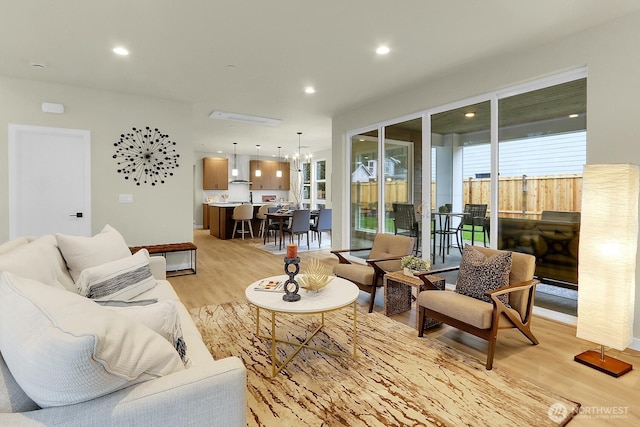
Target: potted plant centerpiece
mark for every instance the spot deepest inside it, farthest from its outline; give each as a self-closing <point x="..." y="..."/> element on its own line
<point x="411" y="264"/>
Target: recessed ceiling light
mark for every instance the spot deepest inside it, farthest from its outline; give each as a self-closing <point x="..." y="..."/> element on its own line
<point x="309" y="89"/>
<point x="573" y="116"/>
<point x="120" y="51"/>
<point x="469" y="115"/>
<point x="383" y="50"/>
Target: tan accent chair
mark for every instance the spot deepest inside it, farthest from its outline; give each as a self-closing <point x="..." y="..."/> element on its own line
<point x="242" y="214"/>
<point x="385" y="256"/>
<point x="480" y="318"/>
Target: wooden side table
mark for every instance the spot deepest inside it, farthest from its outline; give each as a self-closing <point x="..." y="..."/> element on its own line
<point x="397" y="293"/>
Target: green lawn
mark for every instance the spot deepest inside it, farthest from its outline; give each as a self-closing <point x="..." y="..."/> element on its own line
<point x="371" y="223"/>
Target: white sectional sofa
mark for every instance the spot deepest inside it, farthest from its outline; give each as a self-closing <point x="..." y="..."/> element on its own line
<point x="135" y="375"/>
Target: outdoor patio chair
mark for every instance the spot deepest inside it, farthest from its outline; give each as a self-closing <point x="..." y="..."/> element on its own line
<point x="405" y="223"/>
<point x="474" y="219"/>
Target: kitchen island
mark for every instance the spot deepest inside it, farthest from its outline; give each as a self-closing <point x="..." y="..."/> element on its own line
<point x="220" y="219"/>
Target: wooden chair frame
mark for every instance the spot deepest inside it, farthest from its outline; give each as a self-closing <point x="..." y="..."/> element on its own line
<point x="379" y="272"/>
<point x="499" y="308"/>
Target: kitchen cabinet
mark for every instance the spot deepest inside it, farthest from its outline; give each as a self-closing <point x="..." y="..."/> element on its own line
<point x="215" y="172"/>
<point x="269" y="180"/>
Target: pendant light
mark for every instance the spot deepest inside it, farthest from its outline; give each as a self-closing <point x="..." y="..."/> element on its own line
<point x="234" y="171"/>
<point x="279" y="171"/>
<point x="299" y="154"/>
<point x="258" y="171"/>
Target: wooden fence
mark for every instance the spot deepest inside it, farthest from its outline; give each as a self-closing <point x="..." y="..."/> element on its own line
<point x="520" y="197"/>
<point x="527" y="197"/>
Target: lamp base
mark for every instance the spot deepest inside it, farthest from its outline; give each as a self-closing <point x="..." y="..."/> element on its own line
<point x="610" y="365"/>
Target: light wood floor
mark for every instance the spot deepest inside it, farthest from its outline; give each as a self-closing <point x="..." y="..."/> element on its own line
<point x="227" y="267"/>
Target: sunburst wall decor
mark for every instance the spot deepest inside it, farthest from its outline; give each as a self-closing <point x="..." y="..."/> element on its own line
<point x="146" y="156"/>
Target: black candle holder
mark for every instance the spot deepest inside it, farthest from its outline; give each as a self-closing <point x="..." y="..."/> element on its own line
<point x="289" y="295"/>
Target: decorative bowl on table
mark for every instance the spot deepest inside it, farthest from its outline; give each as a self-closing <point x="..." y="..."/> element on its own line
<point x="315" y="277"/>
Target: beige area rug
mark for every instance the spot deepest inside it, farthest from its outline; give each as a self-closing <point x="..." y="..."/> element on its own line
<point x="397" y="378"/>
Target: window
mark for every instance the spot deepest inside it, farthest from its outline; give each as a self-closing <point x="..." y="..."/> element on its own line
<point x="320" y="183"/>
<point x="306" y="182"/>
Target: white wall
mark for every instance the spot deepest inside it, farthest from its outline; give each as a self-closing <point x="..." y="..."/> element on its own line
<point x="610" y="53"/>
<point x="160" y="214"/>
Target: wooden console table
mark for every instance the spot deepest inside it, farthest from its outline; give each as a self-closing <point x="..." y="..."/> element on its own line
<point x="397" y="293"/>
<point x="173" y="247"/>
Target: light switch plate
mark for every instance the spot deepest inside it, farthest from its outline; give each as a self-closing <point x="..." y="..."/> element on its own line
<point x="125" y="198"/>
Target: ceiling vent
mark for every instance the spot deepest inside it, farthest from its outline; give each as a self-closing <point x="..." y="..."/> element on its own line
<point x="236" y="117"/>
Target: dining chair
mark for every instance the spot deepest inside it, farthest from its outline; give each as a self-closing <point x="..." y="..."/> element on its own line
<point x="299" y="225"/>
<point x="271" y="226"/>
<point x="322" y="223"/>
<point x="242" y="214"/>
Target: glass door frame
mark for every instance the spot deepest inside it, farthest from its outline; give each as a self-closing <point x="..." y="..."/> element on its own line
<point x="493" y="97"/>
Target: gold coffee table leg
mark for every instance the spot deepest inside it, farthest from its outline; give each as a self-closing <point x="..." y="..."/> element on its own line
<point x="276" y="365"/>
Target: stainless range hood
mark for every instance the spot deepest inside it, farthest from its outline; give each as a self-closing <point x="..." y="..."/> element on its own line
<point x="242" y="163"/>
<point x="239" y="181"/>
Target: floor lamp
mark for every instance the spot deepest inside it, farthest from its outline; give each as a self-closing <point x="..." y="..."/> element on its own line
<point x="607" y="262"/>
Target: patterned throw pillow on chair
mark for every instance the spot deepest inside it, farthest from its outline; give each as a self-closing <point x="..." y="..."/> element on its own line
<point x="479" y="274"/>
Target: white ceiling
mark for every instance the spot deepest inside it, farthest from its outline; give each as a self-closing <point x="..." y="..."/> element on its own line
<point x="255" y="57"/>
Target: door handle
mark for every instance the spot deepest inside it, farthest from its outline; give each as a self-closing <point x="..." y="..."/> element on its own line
<point x="77" y="214"/>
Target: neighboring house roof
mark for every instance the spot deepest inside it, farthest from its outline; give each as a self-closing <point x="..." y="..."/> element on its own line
<point x="362" y="174"/>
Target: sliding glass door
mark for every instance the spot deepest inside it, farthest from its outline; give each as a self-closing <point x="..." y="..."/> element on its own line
<point x="364" y="179"/>
<point x="542" y="151"/>
<point x="461" y="177"/>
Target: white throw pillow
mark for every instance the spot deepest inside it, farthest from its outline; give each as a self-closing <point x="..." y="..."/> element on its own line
<point x="10" y="245"/>
<point x="39" y="260"/>
<point x="83" y="252"/>
<point x="122" y="279"/>
<point x="63" y="348"/>
<point x="162" y="318"/>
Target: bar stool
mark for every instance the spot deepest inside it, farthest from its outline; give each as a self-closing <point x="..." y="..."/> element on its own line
<point x="242" y="214"/>
<point x="261" y="215"/>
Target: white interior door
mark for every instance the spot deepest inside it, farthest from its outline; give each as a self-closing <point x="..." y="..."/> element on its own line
<point x="49" y="181"/>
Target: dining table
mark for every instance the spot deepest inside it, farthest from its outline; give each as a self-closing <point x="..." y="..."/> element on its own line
<point x="445" y="229"/>
<point x="281" y="216"/>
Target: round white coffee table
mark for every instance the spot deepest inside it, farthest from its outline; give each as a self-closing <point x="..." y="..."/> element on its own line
<point x="339" y="293"/>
